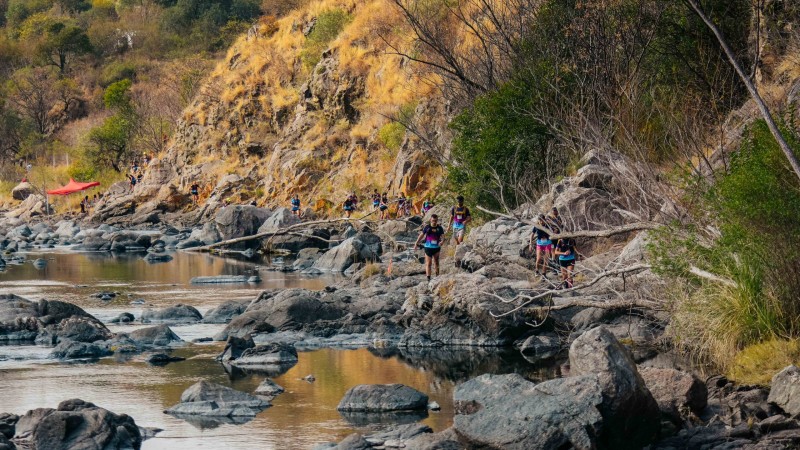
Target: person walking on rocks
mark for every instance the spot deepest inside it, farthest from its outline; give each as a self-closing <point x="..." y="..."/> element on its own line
<point x="566" y="252"/>
<point x="296" y="205"/>
<point x="544" y="246"/>
<point x="460" y="216"/>
<point x="376" y="200"/>
<point x="348" y="206"/>
<point x="195" y="191"/>
<point x="133" y="180"/>
<point x="427" y="205"/>
<point x="432" y="233"/>
<point x="384" y="206"/>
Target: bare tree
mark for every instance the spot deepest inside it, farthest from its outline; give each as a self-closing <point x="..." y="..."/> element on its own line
<point x="32" y="93"/>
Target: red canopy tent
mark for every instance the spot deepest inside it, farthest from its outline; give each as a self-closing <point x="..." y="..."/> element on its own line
<point x="73" y="186"/>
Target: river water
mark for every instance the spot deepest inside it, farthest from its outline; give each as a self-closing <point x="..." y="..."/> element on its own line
<point x="300" y="418"/>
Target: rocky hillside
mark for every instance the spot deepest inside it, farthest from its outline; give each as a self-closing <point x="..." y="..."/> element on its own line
<point x="305" y="105"/>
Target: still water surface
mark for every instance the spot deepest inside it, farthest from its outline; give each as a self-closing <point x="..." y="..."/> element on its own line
<point x="303" y="416"/>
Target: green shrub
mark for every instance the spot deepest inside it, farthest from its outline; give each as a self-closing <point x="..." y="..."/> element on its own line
<point x="391" y="135"/>
<point x="329" y="24"/>
<point x="117" y="71"/>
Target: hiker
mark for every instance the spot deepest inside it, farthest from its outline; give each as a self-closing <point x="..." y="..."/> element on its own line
<point x="147" y="159"/>
<point x="194" y="189"/>
<point x="554" y="221"/>
<point x="348" y="206"/>
<point x="139" y="177"/>
<point x="376" y="200"/>
<point x="566" y="252"/>
<point x="384" y="206"/>
<point x="296" y="205"/>
<point x="459" y="218"/>
<point x="135" y="166"/>
<point x="133" y="180"/>
<point x="432" y="234"/>
<point x="427" y="206"/>
<point x="544" y="247"/>
<point x="401" y="204"/>
<point x="83" y="206"/>
<point x="87" y="203"/>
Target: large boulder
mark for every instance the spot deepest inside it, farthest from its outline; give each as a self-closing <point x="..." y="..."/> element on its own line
<point x="75" y="350"/>
<point x="239" y="221"/>
<point x="281" y="218"/>
<point x="510" y="412"/>
<point x="22" y="191"/>
<point x="247" y="323"/>
<point x="209" y="399"/>
<point x="234" y="347"/>
<point x="176" y="314"/>
<point x="363" y="247"/>
<point x="77" y="425"/>
<point x="47" y="321"/>
<point x="382" y="398"/>
<point x="290" y="309"/>
<point x="785" y="390"/>
<point x="630" y="413"/>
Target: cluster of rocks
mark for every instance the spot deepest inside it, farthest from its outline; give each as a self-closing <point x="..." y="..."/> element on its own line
<point x="72" y="331"/>
<point x="74" y="424"/>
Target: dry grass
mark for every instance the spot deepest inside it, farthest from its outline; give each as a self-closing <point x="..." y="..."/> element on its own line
<point x="757" y="363"/>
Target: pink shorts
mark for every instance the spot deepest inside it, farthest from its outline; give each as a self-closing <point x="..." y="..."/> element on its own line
<point x="544" y="248"/>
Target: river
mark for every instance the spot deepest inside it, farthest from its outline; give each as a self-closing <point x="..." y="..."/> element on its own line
<point x="303" y="416"/>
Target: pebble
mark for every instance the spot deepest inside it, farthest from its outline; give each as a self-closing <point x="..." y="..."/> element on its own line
<point x="310" y="378"/>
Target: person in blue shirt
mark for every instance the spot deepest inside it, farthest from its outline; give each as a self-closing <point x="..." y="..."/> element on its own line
<point x="296" y="205"/>
<point x="567" y="254"/>
<point x="459" y="218"/>
<point x="432" y="234"/>
<point x="543" y="246"/>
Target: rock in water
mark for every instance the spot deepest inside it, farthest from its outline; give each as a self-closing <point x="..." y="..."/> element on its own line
<point x="158" y="336"/>
<point x="225" y="312"/>
<point x="510" y="412"/>
<point x="225" y="279"/>
<point x="785" y="390"/>
<point x="162" y="359"/>
<point x="234" y="348"/>
<point x="214" y="400"/>
<point x="269" y="388"/>
<point x="177" y="314"/>
<point x="76" y="424"/>
<point x="383" y="397"/>
<point x="630" y="413"/>
<point x="76" y="350"/>
<point x="267" y="355"/>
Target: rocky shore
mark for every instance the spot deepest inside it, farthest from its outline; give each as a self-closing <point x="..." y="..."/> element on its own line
<point x="615" y="392"/>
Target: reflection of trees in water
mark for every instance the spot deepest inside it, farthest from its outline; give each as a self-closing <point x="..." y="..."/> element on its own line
<point x="457" y="364"/>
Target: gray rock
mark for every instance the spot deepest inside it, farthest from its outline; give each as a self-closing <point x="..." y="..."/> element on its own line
<point x="541" y="346"/>
<point x="281" y="218"/>
<point x="78" y="425"/>
<point x="225" y="279"/>
<point x="22" y="191"/>
<point x="675" y="390"/>
<point x="125" y="317"/>
<point x="239" y="221"/>
<point x="631" y="416"/>
<point x="234" y="347"/>
<point x="509" y="412"/>
<point x="305" y="258"/>
<point x="157" y="336"/>
<point x="268" y="388"/>
<point x="267" y="355"/>
<point x="157" y="257"/>
<point x="8" y="423"/>
<point x="210" y="399"/>
<point x="785" y="390"/>
<point x="161" y="359"/>
<point x="176" y="314"/>
<point x="47" y="321"/>
<point x="67" y="349"/>
<point x="383" y="397"/>
<point x="225" y="312"/>
<point x="363" y="247"/>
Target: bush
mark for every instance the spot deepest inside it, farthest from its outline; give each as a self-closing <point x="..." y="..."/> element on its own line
<point x="755" y="208"/>
<point x="329" y="24"/>
<point x="757" y="363"/>
<point x="391" y="135"/>
<point x="117" y="71"/>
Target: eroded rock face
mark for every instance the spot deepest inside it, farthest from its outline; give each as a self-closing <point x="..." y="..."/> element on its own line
<point x="509" y="412"/>
<point x="383" y="398"/>
<point x="77" y="425"/>
<point x="630" y="413"/>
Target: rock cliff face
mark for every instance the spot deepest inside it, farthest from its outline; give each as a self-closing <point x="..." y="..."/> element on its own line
<point x="268" y="123"/>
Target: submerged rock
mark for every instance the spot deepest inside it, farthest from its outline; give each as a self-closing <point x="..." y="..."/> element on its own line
<point x="225" y="279"/>
<point x="269" y="388"/>
<point x="162" y="359"/>
<point x="267" y="355"/>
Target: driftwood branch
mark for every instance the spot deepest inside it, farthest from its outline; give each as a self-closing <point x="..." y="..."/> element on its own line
<point x="528" y="299"/>
<point x="636" y="226"/>
<point x="696" y="271"/>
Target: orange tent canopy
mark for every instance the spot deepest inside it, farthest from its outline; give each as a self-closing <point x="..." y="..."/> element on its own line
<point x="73" y="186"/>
